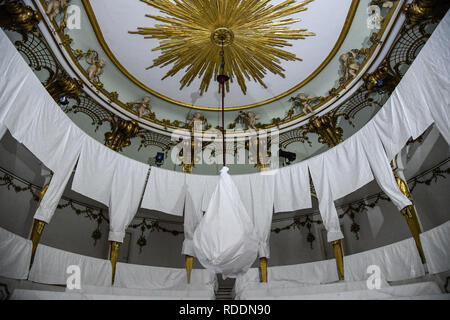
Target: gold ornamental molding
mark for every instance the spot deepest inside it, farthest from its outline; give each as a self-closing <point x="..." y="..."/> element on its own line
<point x="97" y="30"/>
<point x="247" y="34"/>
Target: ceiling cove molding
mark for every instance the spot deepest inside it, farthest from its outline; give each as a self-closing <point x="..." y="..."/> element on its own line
<point x="103" y="100"/>
<point x="376" y="57"/>
<point x="98" y="33"/>
<point x="47" y="28"/>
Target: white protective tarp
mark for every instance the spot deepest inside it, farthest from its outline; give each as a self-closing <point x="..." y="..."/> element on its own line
<point x="112" y="179"/>
<point x="148" y="277"/>
<point x="436" y="247"/>
<point x="50" y="267"/>
<point x="15" y="255"/>
<point x="225" y="241"/>
<point x="397" y="261"/>
<point x="165" y="191"/>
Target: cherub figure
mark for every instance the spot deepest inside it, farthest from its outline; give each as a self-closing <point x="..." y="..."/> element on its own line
<point x="349" y="63"/>
<point x="96" y="66"/>
<point x="385" y="3"/>
<point x="196" y="118"/>
<point x="249" y="119"/>
<point x="54" y="7"/>
<point x="143" y="106"/>
<point x="305" y="102"/>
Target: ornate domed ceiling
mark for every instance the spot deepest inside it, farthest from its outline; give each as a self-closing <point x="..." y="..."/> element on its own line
<point x="316" y="79"/>
<point x="116" y="18"/>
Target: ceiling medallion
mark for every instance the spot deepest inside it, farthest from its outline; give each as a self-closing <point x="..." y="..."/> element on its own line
<point x="252" y="33"/>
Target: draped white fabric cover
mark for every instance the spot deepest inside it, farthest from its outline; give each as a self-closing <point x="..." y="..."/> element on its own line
<point x="292" y="189"/>
<point x="380" y="166"/>
<point x="147" y="277"/>
<point x="304" y="274"/>
<point x="165" y="191"/>
<point x="349" y="291"/>
<point x="35" y="120"/>
<point x="436" y="246"/>
<point x="225" y="240"/>
<point x="432" y="70"/>
<point x="188" y="292"/>
<point x="256" y="192"/>
<point x="113" y="293"/>
<point x="15" y="255"/>
<point x="425" y="88"/>
<point x="3" y="130"/>
<point x="50" y="267"/>
<point x="113" y="180"/>
<point x="328" y="172"/>
<point x="270" y="290"/>
<point x="199" y="189"/>
<point x="398" y="261"/>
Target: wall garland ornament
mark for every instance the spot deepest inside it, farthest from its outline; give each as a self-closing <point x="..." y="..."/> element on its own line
<point x="12" y="182"/>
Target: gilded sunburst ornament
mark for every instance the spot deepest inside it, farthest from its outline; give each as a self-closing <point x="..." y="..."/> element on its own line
<point x="252" y="33"/>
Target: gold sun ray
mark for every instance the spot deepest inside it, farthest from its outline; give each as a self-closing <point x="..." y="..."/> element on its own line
<point x="252" y="32"/>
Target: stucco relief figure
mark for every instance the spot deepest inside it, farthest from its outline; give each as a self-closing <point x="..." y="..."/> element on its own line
<point x="305" y="102"/>
<point x="54" y="7"/>
<point x="193" y="119"/>
<point x="249" y="118"/>
<point x="349" y="64"/>
<point x="96" y="66"/>
<point x="387" y="4"/>
<point x="142" y="106"/>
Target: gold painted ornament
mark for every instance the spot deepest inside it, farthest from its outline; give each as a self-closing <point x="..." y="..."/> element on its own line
<point x="252" y="33"/>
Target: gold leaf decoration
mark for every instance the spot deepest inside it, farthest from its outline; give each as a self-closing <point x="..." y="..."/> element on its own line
<point x="251" y="32"/>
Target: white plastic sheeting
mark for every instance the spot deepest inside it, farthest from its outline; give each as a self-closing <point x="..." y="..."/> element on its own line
<point x="436" y="247"/>
<point x="225" y="241"/>
<point x="398" y="261"/>
<point x="15" y="255"/>
<point x="155" y="278"/>
<point x="112" y="179"/>
<point x="50" y="267"/>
